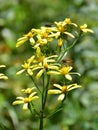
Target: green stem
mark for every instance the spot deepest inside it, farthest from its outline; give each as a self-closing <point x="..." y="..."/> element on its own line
<point x="44" y="98"/>
<point x="42" y="109"/>
<point x="41" y="121"/>
<point x="35" y="83"/>
<point x="66" y="49"/>
<point x="31" y="108"/>
<point x="46" y="90"/>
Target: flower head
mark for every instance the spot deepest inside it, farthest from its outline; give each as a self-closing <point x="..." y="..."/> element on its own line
<point x="84" y="29"/>
<point x="65" y="70"/>
<point x="43" y="36"/>
<point x="26" y="37"/>
<point x="45" y="64"/>
<point x="27" y="66"/>
<point x="62" y="29"/>
<point x="62" y="90"/>
<point x="68" y="22"/>
<point x="26" y="100"/>
<point x="28" y="90"/>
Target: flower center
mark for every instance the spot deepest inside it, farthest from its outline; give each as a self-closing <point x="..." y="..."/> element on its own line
<point x="61" y="28"/>
<point x="64" y="89"/>
<point x="45" y="65"/>
<point x="26" y="100"/>
<point x="29" y="35"/>
<point x="26" y="66"/>
<point x="45" y="35"/>
<point x="65" y="70"/>
<point x="83" y="26"/>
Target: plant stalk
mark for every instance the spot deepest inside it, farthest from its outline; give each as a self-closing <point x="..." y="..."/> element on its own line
<point x="44" y="99"/>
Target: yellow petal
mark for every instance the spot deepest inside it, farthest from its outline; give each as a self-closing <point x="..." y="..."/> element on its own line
<point x="32" y="40"/>
<point x="32" y="94"/>
<point x="20" y="72"/>
<point x="2" y="76"/>
<point x="73" y="86"/>
<point x="51" y="91"/>
<point x="34" y="98"/>
<point x="39" y="74"/>
<point x="68" y="77"/>
<point x="30" y="72"/>
<point x="25" y="106"/>
<point x="17" y="102"/>
<point x="53" y="67"/>
<point x="53" y="72"/>
<point x="61" y="97"/>
<point x="58" y="86"/>
<point x="21" y="41"/>
<point x="2" y="66"/>
<point x="69" y="34"/>
<point x="74" y="24"/>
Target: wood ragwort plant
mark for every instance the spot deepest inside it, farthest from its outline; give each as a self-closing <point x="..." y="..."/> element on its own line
<point x="46" y="63"/>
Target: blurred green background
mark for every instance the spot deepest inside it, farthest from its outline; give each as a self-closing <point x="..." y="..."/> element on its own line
<point x="17" y="17"/>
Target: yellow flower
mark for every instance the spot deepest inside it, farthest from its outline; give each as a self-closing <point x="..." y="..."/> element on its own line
<point x="40" y="42"/>
<point x="45" y="64"/>
<point x="43" y="36"/>
<point x="65" y="70"/>
<point x="45" y="32"/>
<point x="62" y="90"/>
<point x="27" y="66"/>
<point x="28" y="90"/>
<point x="2" y="76"/>
<point x="84" y="29"/>
<point x="61" y="29"/>
<point x="26" y="100"/>
<point x="68" y="22"/>
<point x="26" y="37"/>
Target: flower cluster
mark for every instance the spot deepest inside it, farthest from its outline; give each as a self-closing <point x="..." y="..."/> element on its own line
<point x="43" y="64"/>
